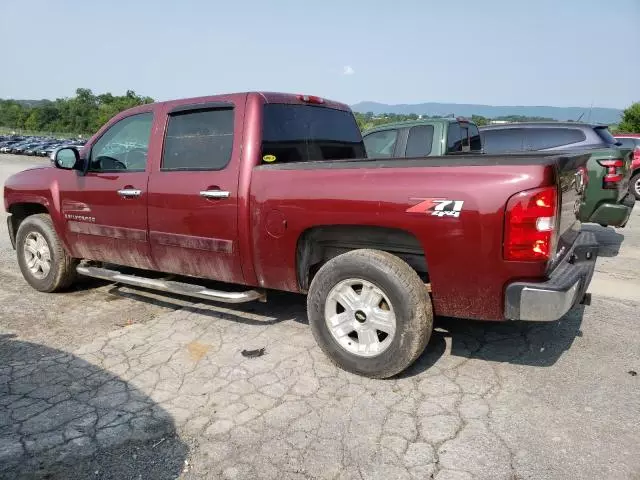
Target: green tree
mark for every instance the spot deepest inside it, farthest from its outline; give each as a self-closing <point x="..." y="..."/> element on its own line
<point x="84" y="113"/>
<point x="630" y="119"/>
<point x="479" y="120"/>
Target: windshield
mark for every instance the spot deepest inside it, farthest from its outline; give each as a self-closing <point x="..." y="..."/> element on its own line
<point x="304" y="133"/>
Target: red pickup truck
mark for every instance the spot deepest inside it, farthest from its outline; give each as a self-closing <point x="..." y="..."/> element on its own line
<point x="274" y="191"/>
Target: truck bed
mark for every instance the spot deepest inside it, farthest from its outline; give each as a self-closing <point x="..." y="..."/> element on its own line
<point x="469" y="246"/>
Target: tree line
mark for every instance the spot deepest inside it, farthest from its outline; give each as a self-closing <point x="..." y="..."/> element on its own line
<point x="86" y="112"/>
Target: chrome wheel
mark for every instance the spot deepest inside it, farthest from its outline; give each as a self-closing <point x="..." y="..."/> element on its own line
<point x="636" y="187"/>
<point x="360" y="317"/>
<point x="37" y="255"/>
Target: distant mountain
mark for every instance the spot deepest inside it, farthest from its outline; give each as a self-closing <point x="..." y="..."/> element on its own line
<point x="598" y="115"/>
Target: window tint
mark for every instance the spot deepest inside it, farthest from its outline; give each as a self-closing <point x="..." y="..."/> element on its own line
<point x="123" y="146"/>
<point x="305" y="133"/>
<point x="419" y="141"/>
<point x="543" y="138"/>
<point x="381" y="144"/>
<point x="503" y="140"/>
<point x="474" y="138"/>
<point x="198" y="140"/>
<point x="454" y="138"/>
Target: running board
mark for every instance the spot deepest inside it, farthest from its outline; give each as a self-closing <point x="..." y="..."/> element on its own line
<point x="178" y="288"/>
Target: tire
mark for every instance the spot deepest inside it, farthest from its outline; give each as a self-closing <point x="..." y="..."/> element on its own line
<point x="346" y="290"/>
<point x="634" y="186"/>
<point x="37" y="232"/>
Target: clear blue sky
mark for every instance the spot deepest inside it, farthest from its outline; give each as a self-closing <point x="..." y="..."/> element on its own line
<point x="499" y="52"/>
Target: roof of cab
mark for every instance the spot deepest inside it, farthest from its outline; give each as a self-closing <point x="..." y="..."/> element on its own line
<point x="413" y="123"/>
<point x="268" y="97"/>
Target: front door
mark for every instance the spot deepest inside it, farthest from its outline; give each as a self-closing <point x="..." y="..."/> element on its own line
<point x="193" y="194"/>
<point x="106" y="210"/>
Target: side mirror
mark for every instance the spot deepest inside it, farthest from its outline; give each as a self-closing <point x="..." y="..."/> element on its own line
<point x="66" y="158"/>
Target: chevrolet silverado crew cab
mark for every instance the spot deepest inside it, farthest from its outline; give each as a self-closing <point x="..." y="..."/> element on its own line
<point x="421" y="138"/>
<point x="274" y="192"/>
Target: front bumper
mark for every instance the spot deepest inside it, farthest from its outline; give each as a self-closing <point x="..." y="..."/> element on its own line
<point x="566" y="286"/>
<point x="614" y="214"/>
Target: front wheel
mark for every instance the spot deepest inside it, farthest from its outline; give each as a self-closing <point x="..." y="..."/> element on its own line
<point x="43" y="261"/>
<point x="634" y="186"/>
<point x="370" y="313"/>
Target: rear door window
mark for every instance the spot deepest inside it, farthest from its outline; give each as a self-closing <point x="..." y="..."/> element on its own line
<point x="198" y="140"/>
<point x="381" y="144"/>
<point x="419" y="141"/>
<point x="544" y="138"/>
<point x="305" y="133"/>
<point x="503" y="140"/>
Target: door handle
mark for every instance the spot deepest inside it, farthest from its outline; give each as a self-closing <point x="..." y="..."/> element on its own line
<point x="129" y="192"/>
<point x="214" y="194"/>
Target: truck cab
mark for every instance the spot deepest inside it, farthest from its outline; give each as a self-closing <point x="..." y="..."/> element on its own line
<point x="421" y="138"/>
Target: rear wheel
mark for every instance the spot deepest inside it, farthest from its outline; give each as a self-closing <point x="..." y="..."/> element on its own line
<point x="370" y="313"/>
<point x="43" y="261"/>
<point x="634" y="186"/>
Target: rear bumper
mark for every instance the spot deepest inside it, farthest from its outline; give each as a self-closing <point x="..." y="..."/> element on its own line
<point x="614" y="214"/>
<point x="566" y="286"/>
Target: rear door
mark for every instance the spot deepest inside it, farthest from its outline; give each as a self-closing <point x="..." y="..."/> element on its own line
<point x="193" y="192"/>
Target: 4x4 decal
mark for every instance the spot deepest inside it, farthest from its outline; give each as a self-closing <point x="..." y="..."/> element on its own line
<point x="438" y="207"/>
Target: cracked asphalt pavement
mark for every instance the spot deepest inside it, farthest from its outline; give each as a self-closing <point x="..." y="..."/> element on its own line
<point x="114" y="382"/>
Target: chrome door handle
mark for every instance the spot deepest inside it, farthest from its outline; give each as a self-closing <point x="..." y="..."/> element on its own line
<point x="214" y="194"/>
<point x="129" y="192"/>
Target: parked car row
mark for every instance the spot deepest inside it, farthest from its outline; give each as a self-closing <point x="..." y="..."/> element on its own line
<point x="35" y="146"/>
<point x="613" y="181"/>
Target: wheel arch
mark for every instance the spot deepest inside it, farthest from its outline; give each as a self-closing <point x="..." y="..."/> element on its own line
<point x="18" y="212"/>
<point x="319" y="244"/>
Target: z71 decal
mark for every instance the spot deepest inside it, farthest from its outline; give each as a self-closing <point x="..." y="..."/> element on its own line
<point x="437" y="207"/>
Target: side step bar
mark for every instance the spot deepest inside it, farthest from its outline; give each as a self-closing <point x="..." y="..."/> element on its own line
<point x="178" y="288"/>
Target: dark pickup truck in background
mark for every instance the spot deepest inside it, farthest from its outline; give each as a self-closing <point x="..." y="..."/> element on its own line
<point x="272" y="191"/>
<point x="421" y="138"/>
<point x="607" y="200"/>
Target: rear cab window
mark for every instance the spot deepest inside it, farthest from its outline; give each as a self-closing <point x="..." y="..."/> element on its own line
<point x="306" y="133"/>
<point x="463" y="137"/>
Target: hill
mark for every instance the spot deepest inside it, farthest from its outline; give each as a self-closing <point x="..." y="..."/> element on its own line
<point x="597" y="115"/>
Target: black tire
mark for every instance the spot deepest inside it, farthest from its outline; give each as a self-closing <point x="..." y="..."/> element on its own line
<point x="62" y="272"/>
<point x="405" y="291"/>
<point x="634" y="186"/>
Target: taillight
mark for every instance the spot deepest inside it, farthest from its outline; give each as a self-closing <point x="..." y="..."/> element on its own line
<point x="311" y="99"/>
<point x="614" y="174"/>
<point x="636" y="154"/>
<point x="530" y="225"/>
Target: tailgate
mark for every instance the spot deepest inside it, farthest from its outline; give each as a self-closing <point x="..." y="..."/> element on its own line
<point x="572" y="178"/>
